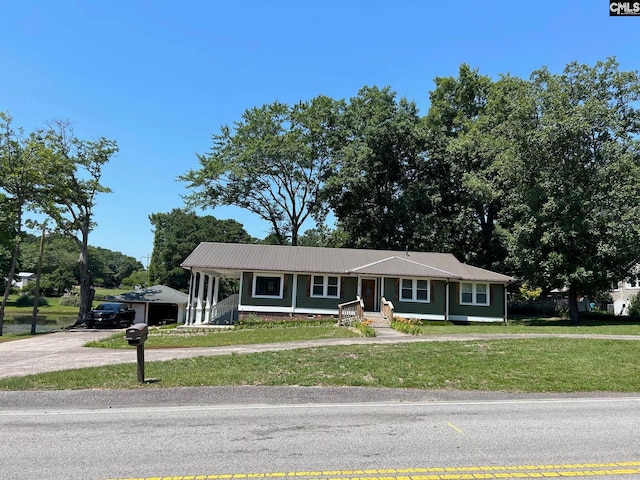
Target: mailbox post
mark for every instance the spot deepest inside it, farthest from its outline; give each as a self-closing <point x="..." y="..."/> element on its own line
<point x="136" y="335"/>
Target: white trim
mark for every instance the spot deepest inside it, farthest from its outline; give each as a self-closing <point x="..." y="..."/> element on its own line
<point x="267" y="275"/>
<point x="419" y="316"/>
<point x="454" y="318"/>
<point x="474" y="294"/>
<point x="414" y="290"/>
<point x="265" y="309"/>
<point x="472" y="318"/>
<point x="356" y="269"/>
<point x="325" y="286"/>
<point x="294" y="291"/>
<point x="447" y="296"/>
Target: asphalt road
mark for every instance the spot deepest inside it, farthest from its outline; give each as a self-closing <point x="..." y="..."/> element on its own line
<point x="259" y="432"/>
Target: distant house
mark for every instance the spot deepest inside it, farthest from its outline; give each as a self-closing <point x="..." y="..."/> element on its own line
<point x="22" y="279"/>
<point x="624" y="292"/>
<point x="284" y="280"/>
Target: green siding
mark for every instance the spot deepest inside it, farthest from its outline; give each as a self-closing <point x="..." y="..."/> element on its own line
<point x="247" y="299"/>
<point x="495" y="308"/>
<point x="348" y="292"/>
<point x="349" y="288"/>
<point x="435" y="306"/>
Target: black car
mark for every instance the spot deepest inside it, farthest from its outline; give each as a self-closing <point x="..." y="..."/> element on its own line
<point x="111" y="314"/>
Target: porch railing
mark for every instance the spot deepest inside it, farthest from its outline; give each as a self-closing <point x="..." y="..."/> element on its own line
<point x="387" y="309"/>
<point x="225" y="312"/>
<point x="351" y="312"/>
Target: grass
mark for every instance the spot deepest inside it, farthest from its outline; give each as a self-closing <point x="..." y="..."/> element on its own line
<point x="515" y="365"/>
<point x="523" y="365"/>
<point x="605" y="325"/>
<point x="179" y="338"/>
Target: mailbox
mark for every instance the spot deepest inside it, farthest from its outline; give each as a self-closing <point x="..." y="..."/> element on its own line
<point x="136" y="334"/>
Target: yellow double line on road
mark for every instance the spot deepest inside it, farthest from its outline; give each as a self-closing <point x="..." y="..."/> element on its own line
<point x="433" y="473"/>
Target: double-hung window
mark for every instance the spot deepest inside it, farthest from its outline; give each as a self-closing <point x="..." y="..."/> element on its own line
<point x="268" y="286"/>
<point x="474" y="293"/>
<point x="414" y="290"/>
<point x="326" y="286"/>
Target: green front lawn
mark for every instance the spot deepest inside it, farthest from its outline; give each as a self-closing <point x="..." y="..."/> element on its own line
<point x="193" y="337"/>
<point x="523" y="365"/>
<point x="605" y="325"/>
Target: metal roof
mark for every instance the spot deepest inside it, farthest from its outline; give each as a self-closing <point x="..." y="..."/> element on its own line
<point x="225" y="257"/>
<point x="154" y="294"/>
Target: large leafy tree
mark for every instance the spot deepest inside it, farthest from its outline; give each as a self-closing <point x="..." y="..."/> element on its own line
<point x="60" y="263"/>
<point x="72" y="190"/>
<point x="177" y="233"/>
<point x="6" y="236"/>
<point x="59" y="267"/>
<point x="372" y="187"/>
<point x="271" y="163"/>
<point x="467" y="143"/>
<point x="109" y="268"/>
<point x="574" y="204"/>
<point x="21" y="174"/>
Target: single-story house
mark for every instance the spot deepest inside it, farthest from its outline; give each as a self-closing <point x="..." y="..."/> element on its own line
<point x="156" y="305"/>
<point x="301" y="281"/>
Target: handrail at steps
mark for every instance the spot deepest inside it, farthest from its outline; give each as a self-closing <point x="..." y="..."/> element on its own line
<point x="387" y="309"/>
<point x="350" y="312"/>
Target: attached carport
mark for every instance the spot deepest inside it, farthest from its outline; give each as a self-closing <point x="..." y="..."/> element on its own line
<point x="156" y="305"/>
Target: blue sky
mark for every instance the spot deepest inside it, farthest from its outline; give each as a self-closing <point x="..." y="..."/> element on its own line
<point x="160" y="77"/>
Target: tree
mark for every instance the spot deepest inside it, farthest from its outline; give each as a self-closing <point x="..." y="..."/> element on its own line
<point x="72" y="190"/>
<point x="574" y="202"/>
<point x="177" y="233"/>
<point x="60" y="263"/>
<point x="323" y="236"/>
<point x="372" y="186"/>
<point x="139" y="277"/>
<point x="467" y="126"/>
<point x="109" y="268"/>
<point x="21" y="173"/>
<point x="271" y="163"/>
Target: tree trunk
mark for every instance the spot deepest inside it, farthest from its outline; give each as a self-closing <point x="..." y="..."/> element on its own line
<point x="7" y="290"/>
<point x="86" y="296"/>
<point x="574" y="314"/>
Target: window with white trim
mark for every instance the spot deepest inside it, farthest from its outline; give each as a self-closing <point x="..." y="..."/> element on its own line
<point x="474" y="293"/>
<point x="414" y="290"/>
<point x="268" y="286"/>
<point x="326" y="286"/>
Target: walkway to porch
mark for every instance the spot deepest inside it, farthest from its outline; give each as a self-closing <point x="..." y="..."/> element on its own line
<point x="382" y="325"/>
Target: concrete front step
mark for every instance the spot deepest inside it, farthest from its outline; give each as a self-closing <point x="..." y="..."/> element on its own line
<point x="377" y="320"/>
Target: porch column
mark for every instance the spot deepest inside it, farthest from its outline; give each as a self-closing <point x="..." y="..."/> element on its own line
<point x="294" y="293"/>
<point x="191" y="301"/>
<point x="207" y="309"/>
<point x="216" y="291"/>
<point x="506" y="303"/>
<point x="198" y="320"/>
<point x="446" y="301"/>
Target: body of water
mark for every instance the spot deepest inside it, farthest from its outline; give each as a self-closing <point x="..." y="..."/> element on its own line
<point x="45" y="323"/>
